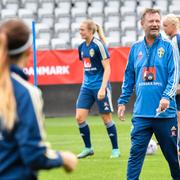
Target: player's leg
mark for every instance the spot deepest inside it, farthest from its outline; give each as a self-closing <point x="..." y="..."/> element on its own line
<point x="112" y="133"/>
<point x="84" y="103"/>
<point x="166" y="132"/>
<point x="141" y="134"/>
<point x="105" y="108"/>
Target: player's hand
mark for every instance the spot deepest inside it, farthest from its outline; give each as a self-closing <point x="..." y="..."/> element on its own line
<point x="70" y="161"/>
<point x="121" y="111"/>
<point x="101" y="93"/>
<point x="163" y="104"/>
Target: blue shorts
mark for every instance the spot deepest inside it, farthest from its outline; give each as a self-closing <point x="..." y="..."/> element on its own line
<point x="178" y="102"/>
<point x="87" y="97"/>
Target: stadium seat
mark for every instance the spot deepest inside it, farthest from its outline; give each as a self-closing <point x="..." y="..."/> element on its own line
<point x="42" y="27"/>
<point x="59" y="12"/>
<point x="99" y="19"/>
<point x="25" y="13"/>
<point x="110" y="11"/>
<point x="13" y="6"/>
<point x="174" y="8"/>
<point x="58" y="44"/>
<point x="30" y="4"/>
<point x="145" y="3"/>
<point x="129" y="3"/>
<point x="42" y="44"/>
<point x="75" y="27"/>
<point x="79" y="19"/>
<point x="110" y="26"/>
<point x="124" y="11"/>
<point x="113" y="38"/>
<point x="64" y="19"/>
<point x="46" y="16"/>
<point x="139" y="10"/>
<point x="46" y="4"/>
<point x="61" y="27"/>
<point x="7" y="14"/>
<point x="112" y="8"/>
<point x="95" y="8"/>
<point x="83" y="4"/>
<point x="78" y="11"/>
<point x="64" y="35"/>
<point x="64" y="5"/>
<point x="129" y="22"/>
<point x="162" y="4"/>
<point x="6" y="2"/>
<point x="76" y="41"/>
<point x="43" y="31"/>
<point x="129" y="37"/>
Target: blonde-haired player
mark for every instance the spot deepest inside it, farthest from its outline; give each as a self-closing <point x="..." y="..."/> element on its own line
<point x="171" y="26"/>
<point x="95" y="87"/>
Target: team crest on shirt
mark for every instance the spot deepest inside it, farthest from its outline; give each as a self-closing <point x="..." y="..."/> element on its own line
<point x="161" y="52"/>
<point x="91" y="52"/>
<point x="140" y="55"/>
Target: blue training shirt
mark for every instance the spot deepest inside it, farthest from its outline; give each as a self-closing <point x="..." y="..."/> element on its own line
<point x="92" y="55"/>
<point x="23" y="151"/>
<point x="162" y="63"/>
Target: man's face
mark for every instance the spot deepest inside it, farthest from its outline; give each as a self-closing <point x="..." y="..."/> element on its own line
<point x="84" y="31"/>
<point x="168" y="27"/>
<point x="151" y="24"/>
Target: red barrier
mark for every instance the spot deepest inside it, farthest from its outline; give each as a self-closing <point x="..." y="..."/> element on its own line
<point x="64" y="67"/>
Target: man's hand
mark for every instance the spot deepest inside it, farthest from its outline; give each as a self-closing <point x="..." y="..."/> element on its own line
<point x="121" y="111"/>
<point x="163" y="105"/>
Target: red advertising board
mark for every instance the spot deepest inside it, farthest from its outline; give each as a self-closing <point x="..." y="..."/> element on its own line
<point x="64" y="67"/>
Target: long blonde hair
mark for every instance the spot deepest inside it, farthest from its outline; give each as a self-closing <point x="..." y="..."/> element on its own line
<point x="7" y="99"/>
<point x="14" y="34"/>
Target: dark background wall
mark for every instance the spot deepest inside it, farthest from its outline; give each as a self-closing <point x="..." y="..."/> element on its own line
<point x="60" y="100"/>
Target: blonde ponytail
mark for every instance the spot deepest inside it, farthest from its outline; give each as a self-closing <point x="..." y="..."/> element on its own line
<point x="101" y="34"/>
<point x="7" y="99"/>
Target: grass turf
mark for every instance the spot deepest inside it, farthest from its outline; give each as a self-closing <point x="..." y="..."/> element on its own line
<point x="63" y="134"/>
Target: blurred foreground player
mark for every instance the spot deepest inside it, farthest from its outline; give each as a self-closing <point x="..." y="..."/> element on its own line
<point x="22" y="148"/>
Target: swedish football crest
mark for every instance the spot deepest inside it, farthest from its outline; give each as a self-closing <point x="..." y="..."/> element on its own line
<point x="161" y="52"/>
<point x="91" y="52"/>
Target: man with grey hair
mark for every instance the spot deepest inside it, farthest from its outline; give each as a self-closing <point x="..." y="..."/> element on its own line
<point x="152" y="72"/>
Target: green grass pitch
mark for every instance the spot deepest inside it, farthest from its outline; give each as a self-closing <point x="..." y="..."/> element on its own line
<point x="63" y="134"/>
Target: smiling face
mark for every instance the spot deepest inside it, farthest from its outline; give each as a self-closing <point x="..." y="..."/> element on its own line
<point x="151" y="25"/>
<point x="87" y="30"/>
<point x="84" y="31"/>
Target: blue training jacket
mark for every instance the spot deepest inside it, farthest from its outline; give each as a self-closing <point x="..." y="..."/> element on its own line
<point x="23" y="151"/>
<point x="161" y="58"/>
